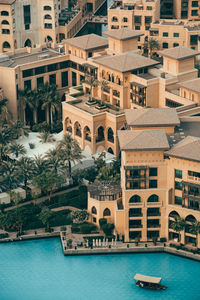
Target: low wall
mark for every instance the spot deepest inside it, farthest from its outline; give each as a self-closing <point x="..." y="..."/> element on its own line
<point x="31" y="237"/>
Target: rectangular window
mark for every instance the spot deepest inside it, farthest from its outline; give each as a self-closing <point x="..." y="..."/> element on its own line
<point x="153" y="172"/>
<point x="148" y="20"/>
<point x="178" y="185"/>
<point x="194" y="174"/>
<point x="40" y="81"/>
<point x="165" y="45"/>
<point x="194" y="3"/>
<point x="178" y="200"/>
<point x="27" y="14"/>
<point x="27" y="26"/>
<point x="137" y="27"/>
<point x="152" y="184"/>
<point x="178" y="173"/>
<point x="64" y="64"/>
<point x="40" y="70"/>
<point x="176" y="34"/>
<point x="149" y="7"/>
<point x="194" y="13"/>
<point x="52" y="79"/>
<point x="27" y="84"/>
<point x="194" y="39"/>
<point x="27" y="73"/>
<point x="64" y="76"/>
<point x="165" y="34"/>
<point x="52" y="67"/>
<point x="137" y="19"/>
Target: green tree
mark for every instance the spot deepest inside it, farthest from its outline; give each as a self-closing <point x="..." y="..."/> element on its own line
<point x="30" y="98"/>
<point x="54" y="159"/>
<point x="151" y="45"/>
<point x="79" y="216"/>
<point x="6" y="221"/>
<point x="46" y="137"/>
<point x="195" y="229"/>
<point x="92" y="82"/>
<point x="5" y="114"/>
<point x="99" y="162"/>
<point x="70" y="151"/>
<point x="51" y="101"/>
<point x="9" y="174"/>
<point x="104" y="87"/>
<point x="19" y="129"/>
<point x="26" y="169"/>
<point x="48" y="182"/>
<point x="178" y="225"/>
<point x="17" y="149"/>
<point x="45" y="216"/>
<point x="108" y="228"/>
<point x="40" y="164"/>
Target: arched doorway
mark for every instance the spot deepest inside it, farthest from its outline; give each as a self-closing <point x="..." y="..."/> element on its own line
<point x="77" y="129"/>
<point x="68" y="125"/>
<point x="5" y="47"/>
<point x="28" y="43"/>
<point x="48" y="39"/>
<point x="100" y="134"/>
<point x="110" y="150"/>
<point x="87" y="134"/>
<point x="171" y="218"/>
<point x="94" y="210"/>
<point x="106" y="212"/>
<point x="110" y="135"/>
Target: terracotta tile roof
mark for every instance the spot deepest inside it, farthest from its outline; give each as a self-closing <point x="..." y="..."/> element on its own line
<point x="125" y="62"/>
<point x="123" y="34"/>
<point x="179" y="53"/>
<point x="193" y="85"/>
<point x="88" y="42"/>
<point x="143" y="140"/>
<point x="152" y="117"/>
<point x="189" y="148"/>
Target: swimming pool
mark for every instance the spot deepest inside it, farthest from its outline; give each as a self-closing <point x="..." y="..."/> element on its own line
<point x="38" y="270"/>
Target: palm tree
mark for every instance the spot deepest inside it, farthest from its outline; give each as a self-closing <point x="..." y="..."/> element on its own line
<point x="70" y="151"/>
<point x="40" y="164"/>
<point x="51" y="101"/>
<point x="26" y="169"/>
<point x="46" y="137"/>
<point x="104" y="86"/>
<point x="178" y="225"/>
<point x="8" y="171"/>
<point x="45" y="216"/>
<point x="195" y="229"/>
<point x="17" y="149"/>
<point x="54" y="159"/>
<point x="4" y="152"/>
<point x="151" y="45"/>
<point x="19" y="129"/>
<point x="32" y="99"/>
<point x="92" y="82"/>
<point x="5" y="114"/>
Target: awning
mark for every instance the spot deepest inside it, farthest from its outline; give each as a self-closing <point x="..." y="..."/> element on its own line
<point x="149" y="279"/>
<point x="153" y="29"/>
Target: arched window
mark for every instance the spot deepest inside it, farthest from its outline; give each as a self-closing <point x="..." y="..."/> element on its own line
<point x="106" y="212"/>
<point x="28" y="43"/>
<point x="114" y="19"/>
<point x="5" y="22"/>
<point x="135" y="199"/>
<point x="4" y="13"/>
<point x="77" y="129"/>
<point x="48" y="39"/>
<point x="110" y="150"/>
<point x="190" y="218"/>
<point x="100" y="136"/>
<point x="173" y="214"/>
<point x="46" y="7"/>
<point x="48" y="17"/>
<point x="68" y="125"/>
<point x="125" y="20"/>
<point x="6" y="45"/>
<point x="110" y="135"/>
<point x="94" y="210"/>
<point x="153" y="198"/>
<point x="87" y="134"/>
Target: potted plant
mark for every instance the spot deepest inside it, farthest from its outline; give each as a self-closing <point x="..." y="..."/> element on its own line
<point x="154" y="239"/>
<point x="69" y="244"/>
<point x="137" y="239"/>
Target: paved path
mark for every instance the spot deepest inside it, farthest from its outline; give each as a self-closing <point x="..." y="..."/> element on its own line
<point x="65" y="207"/>
<point x="41" y="199"/>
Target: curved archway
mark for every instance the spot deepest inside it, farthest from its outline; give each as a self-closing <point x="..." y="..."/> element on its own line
<point x="5" y="22"/>
<point x="110" y="135"/>
<point x="77" y="129"/>
<point x="123" y="128"/>
<point x="94" y="210"/>
<point x="173" y="214"/>
<point x="47" y="7"/>
<point x="153" y="198"/>
<point x="28" y="43"/>
<point x="190" y="218"/>
<point x="106" y="212"/>
<point x="100" y="134"/>
<point x="110" y="150"/>
<point x="48" y="17"/>
<point x="48" y="39"/>
<point x="114" y="19"/>
<point x="4" y="13"/>
<point x="68" y="125"/>
<point x="6" y="46"/>
<point x="87" y="133"/>
<point x="135" y="199"/>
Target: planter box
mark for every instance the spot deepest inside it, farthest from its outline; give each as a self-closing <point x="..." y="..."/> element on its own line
<point x="21" y="192"/>
<point x="34" y="190"/>
<point x="4" y="198"/>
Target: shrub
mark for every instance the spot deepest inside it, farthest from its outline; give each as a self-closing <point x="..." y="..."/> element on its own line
<point x="58" y="220"/>
<point x="163" y="240"/>
<point x="3" y="235"/>
<point x="108" y="228"/>
<point x="102" y="222"/>
<point x="87" y="228"/>
<point x="31" y="145"/>
<point x="57" y="126"/>
<point x="75" y="229"/>
<point x="63" y="228"/>
<point x="69" y="243"/>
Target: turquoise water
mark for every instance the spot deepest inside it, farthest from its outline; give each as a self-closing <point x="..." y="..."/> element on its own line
<point x="38" y="270"/>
